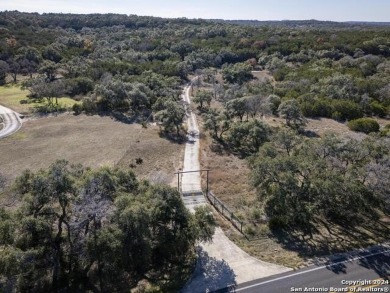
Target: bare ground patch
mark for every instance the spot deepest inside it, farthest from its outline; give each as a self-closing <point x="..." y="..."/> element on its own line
<point x="90" y="140"/>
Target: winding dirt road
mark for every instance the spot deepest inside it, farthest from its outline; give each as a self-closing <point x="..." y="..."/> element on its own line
<point x="10" y="121"/>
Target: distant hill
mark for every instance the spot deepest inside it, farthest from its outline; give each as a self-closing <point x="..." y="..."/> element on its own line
<point x="302" y="23"/>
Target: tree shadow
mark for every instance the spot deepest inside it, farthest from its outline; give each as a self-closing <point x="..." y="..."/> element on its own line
<point x="376" y="258"/>
<point x="379" y="263"/>
<point x="173" y="137"/>
<point x="337" y="265"/>
<point x="310" y="133"/>
<point x="125" y="118"/>
<point x="332" y="238"/>
<point x="305" y="246"/>
<point x="210" y="275"/>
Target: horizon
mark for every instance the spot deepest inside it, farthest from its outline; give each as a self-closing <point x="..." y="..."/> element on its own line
<point x="195" y="18"/>
<point x="277" y="10"/>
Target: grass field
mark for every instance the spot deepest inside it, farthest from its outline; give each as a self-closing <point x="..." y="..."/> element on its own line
<point x="92" y="141"/>
<point x="11" y="96"/>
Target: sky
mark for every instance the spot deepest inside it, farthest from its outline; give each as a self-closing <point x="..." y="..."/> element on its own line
<point x="335" y="10"/>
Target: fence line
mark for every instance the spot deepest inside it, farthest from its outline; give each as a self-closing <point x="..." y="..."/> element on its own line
<point x="225" y="211"/>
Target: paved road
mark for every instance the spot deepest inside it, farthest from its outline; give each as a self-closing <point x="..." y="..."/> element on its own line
<point x="11" y="122"/>
<point x="367" y="272"/>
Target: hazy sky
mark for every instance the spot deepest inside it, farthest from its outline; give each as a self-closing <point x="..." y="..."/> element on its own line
<point x="337" y="10"/>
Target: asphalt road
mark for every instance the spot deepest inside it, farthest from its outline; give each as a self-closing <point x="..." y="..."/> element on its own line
<point x="367" y="272"/>
<point x="11" y="122"/>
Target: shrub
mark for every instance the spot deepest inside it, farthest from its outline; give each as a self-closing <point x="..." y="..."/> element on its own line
<point x="386" y="130"/>
<point x="89" y="106"/>
<point x="365" y="125"/>
<point x="322" y="108"/>
<point x="50" y="108"/>
<point x="77" y="109"/>
<point x="317" y="108"/>
<point x="344" y="109"/>
<point x="250" y="231"/>
<point x="377" y="109"/>
<point x="337" y="116"/>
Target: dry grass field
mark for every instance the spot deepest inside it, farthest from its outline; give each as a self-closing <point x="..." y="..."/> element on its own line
<point x="92" y="141"/>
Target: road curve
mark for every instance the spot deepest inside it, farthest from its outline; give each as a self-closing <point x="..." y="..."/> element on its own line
<point x="10" y="120"/>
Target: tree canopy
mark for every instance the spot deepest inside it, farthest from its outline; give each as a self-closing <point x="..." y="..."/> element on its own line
<point x="80" y="229"/>
<point x="305" y="182"/>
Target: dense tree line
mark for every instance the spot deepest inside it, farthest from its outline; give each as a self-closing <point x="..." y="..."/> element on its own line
<point x="335" y="70"/>
<point x="100" y="230"/>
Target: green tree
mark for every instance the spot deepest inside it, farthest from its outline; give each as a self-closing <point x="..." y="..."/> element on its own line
<point x="4" y="68"/>
<point x="274" y="102"/>
<point x="318" y="182"/>
<point x="291" y="112"/>
<point x="51" y="91"/>
<point x="14" y="68"/>
<point x="183" y="48"/>
<point x="237" y="73"/>
<point x="203" y="97"/>
<point x="247" y="137"/>
<point x="48" y="68"/>
<point x="237" y="108"/>
<point x="171" y="116"/>
<point x="217" y="123"/>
